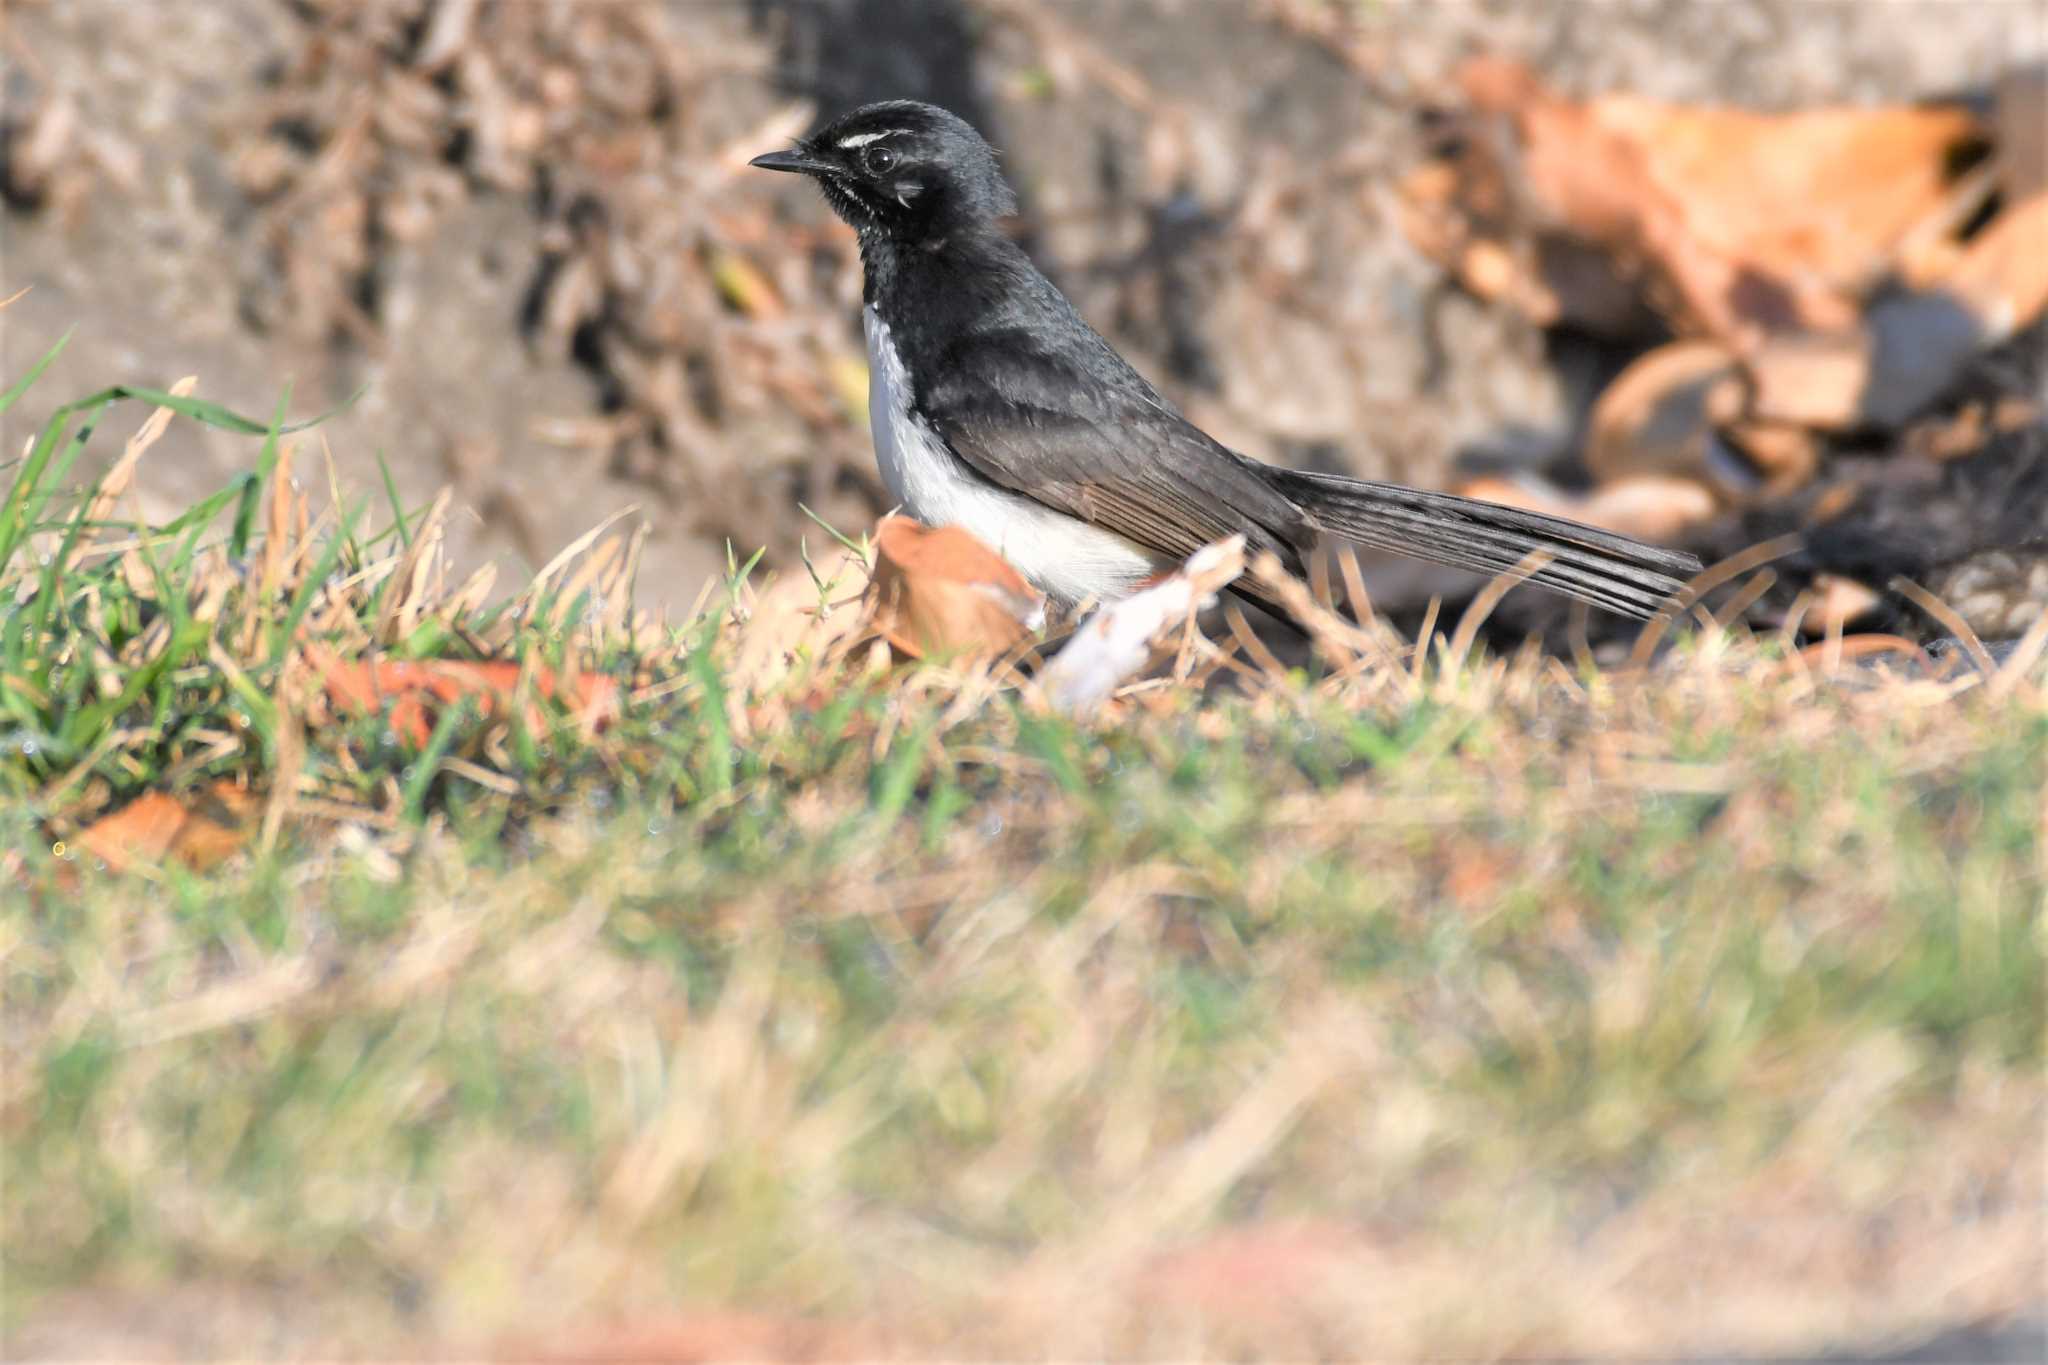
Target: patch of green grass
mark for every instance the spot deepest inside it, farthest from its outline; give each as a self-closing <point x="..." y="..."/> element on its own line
<point x="141" y="657"/>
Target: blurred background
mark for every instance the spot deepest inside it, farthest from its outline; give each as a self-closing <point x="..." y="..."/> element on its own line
<point x="528" y="231"/>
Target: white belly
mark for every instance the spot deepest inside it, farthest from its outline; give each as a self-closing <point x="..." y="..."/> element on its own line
<point x="1064" y="557"/>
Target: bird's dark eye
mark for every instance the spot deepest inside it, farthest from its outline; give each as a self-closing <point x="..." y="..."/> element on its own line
<point x="878" y="160"/>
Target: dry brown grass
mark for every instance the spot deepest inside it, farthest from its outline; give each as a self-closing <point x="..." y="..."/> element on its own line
<point x="1411" y="1002"/>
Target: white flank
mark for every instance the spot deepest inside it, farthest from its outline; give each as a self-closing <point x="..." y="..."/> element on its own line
<point x="1064" y="557"/>
<point x="1116" y="643"/>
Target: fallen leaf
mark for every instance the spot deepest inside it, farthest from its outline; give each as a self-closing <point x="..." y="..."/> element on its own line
<point x="940" y="591"/>
<point x="1909" y="346"/>
<point x="1254" y="1274"/>
<point x="1649" y="507"/>
<point x="1655" y="417"/>
<point x="417" y="691"/>
<point x="2002" y="277"/>
<point x="1808" y="379"/>
<point x="1786" y="454"/>
<point x="1748" y="223"/>
<point x="1824" y="248"/>
<point x="141" y="831"/>
<point x="1965" y="432"/>
<point x="200" y="829"/>
<point x="705" y="1338"/>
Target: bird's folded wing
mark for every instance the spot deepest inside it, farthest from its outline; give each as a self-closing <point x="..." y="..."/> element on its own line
<point x="1103" y="448"/>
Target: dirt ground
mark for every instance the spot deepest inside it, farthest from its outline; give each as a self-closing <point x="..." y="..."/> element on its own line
<point x="1253" y="264"/>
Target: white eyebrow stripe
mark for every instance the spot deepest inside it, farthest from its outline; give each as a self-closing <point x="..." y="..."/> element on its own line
<point x="863" y="139"/>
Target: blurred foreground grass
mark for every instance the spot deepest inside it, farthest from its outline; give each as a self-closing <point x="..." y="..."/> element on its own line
<point x="1460" y="1007"/>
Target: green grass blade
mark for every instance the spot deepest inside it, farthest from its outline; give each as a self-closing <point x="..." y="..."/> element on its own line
<point x="895" y="780"/>
<point x="47" y="589"/>
<point x="262" y="712"/>
<point x="717" y="753"/>
<point x="85" y="724"/>
<point x="7" y="400"/>
<point x="170" y="593"/>
<point x="252" y="483"/>
<point x="309" y="587"/>
<point x="201" y="514"/>
<point x="397" y="505"/>
<point x="61" y="466"/>
<point x="215" y="415"/>
<point x="16" y="518"/>
<point x="859" y="547"/>
<point x="188" y="637"/>
<point x="14" y="513"/>
<point x="429" y="761"/>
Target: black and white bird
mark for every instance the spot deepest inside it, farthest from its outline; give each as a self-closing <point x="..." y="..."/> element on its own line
<point x="996" y="408"/>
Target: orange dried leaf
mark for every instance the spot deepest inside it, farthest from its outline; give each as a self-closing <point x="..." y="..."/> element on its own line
<point x="1649" y="507"/>
<point x="1788" y="455"/>
<point x="199" y="829"/>
<point x="1753" y="222"/>
<point x="1807" y="380"/>
<point x="218" y="821"/>
<point x="140" y="832"/>
<point x="1654" y="418"/>
<point x="941" y="591"/>
<point x="419" y="691"/>
<point x="2002" y="275"/>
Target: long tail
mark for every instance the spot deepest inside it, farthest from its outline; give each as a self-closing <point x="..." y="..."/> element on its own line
<point x="1608" y="570"/>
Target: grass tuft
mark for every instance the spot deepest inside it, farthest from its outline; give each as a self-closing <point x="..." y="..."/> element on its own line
<point x="1409" y="1003"/>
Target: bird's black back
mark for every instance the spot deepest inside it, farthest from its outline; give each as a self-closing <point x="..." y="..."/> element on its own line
<point x="1032" y="398"/>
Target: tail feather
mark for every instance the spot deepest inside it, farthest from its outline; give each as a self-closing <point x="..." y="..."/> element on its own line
<point x="1608" y="570"/>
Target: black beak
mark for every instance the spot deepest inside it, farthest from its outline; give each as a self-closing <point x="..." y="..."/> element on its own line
<point x="796" y="160"/>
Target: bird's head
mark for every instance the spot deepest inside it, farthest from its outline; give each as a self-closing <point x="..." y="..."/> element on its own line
<point x="901" y="169"/>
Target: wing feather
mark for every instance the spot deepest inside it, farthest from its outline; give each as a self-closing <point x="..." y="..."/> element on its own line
<point x="1116" y="455"/>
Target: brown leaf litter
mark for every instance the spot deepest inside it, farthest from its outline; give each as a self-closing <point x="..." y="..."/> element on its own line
<point x="418" y="691"/>
<point x="1832" y="277"/>
<point x="198" y="829"/>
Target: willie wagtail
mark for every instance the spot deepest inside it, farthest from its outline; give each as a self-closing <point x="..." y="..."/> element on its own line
<point x="996" y="408"/>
